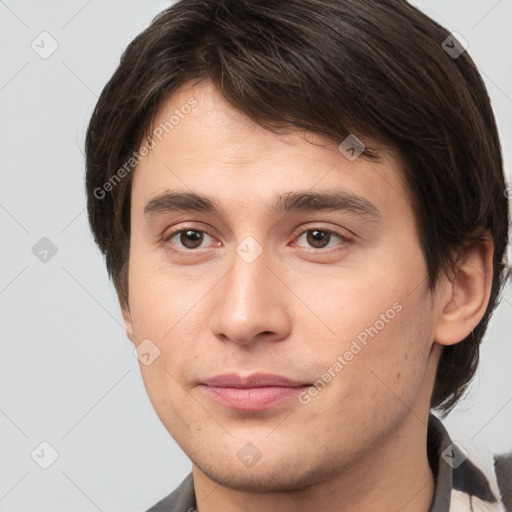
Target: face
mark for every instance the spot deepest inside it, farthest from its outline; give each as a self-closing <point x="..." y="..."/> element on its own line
<point x="283" y="340"/>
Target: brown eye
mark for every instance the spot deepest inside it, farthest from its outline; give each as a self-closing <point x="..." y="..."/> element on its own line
<point x="186" y="239"/>
<point x="322" y="238"/>
<point x="191" y="238"/>
<point x="318" y="239"/>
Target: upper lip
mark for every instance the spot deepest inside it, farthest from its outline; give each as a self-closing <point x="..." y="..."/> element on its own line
<point x="255" y="380"/>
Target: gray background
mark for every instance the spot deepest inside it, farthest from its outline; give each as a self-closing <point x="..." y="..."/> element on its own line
<point x="67" y="372"/>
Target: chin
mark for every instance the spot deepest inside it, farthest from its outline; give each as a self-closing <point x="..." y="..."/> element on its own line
<point x="268" y="476"/>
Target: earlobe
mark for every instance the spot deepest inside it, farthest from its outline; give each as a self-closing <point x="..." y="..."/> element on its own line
<point x="465" y="297"/>
<point x="127" y="317"/>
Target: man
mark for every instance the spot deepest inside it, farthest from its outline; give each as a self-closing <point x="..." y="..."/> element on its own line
<point x="305" y="220"/>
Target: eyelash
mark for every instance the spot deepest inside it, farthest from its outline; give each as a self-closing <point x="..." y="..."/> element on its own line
<point x="166" y="240"/>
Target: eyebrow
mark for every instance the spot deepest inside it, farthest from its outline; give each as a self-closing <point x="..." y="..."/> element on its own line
<point x="337" y="200"/>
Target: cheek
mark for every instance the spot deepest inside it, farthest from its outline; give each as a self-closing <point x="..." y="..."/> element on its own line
<point x="394" y="360"/>
<point x="378" y="356"/>
<point x="159" y="297"/>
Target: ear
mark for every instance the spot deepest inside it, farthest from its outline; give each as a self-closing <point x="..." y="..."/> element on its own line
<point x="128" y="324"/>
<point x="464" y="297"/>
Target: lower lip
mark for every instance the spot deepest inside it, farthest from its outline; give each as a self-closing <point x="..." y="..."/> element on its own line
<point x="252" y="399"/>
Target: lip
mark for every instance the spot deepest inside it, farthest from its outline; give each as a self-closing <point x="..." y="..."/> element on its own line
<point x="255" y="392"/>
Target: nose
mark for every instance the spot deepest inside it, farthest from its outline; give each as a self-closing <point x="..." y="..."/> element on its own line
<point x="251" y="303"/>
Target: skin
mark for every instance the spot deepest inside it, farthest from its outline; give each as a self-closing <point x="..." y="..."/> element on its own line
<point x="360" y="443"/>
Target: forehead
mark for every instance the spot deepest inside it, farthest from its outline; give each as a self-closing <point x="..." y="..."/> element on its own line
<point x="201" y="143"/>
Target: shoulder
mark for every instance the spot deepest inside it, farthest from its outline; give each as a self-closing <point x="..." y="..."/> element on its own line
<point x="466" y="482"/>
<point x="182" y="499"/>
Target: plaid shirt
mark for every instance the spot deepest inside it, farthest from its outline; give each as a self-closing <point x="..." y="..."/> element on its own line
<point x="460" y="485"/>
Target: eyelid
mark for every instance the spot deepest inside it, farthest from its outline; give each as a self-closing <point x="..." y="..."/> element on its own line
<point x="345" y="239"/>
<point x="168" y="236"/>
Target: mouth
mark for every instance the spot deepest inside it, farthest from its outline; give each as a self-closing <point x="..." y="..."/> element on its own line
<point x="255" y="392"/>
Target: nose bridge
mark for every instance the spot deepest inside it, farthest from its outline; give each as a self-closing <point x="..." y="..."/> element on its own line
<point x="249" y="280"/>
<point x="248" y="303"/>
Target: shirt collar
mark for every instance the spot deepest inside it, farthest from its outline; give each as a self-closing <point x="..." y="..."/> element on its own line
<point x="459" y="484"/>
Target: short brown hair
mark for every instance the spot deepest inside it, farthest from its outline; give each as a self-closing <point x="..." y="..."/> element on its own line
<point x="378" y="69"/>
